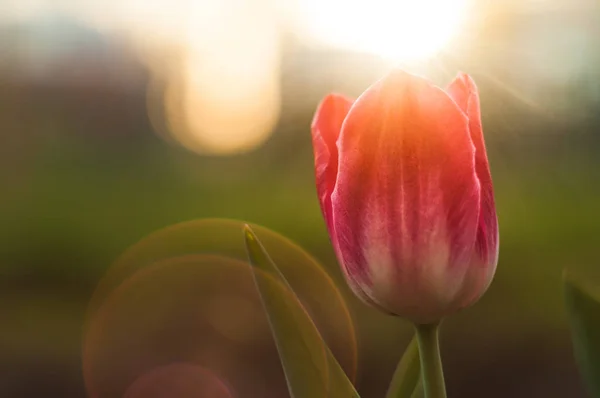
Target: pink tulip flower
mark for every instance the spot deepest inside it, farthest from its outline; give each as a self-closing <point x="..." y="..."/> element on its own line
<point x="406" y="192"/>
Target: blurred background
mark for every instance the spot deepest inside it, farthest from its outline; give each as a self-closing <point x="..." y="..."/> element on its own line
<point x="121" y="117"/>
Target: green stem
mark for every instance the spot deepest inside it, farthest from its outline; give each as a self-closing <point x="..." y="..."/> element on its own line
<point x="431" y="363"/>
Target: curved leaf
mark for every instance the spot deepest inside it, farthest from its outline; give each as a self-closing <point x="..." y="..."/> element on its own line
<point x="407" y="375"/>
<point x="310" y="368"/>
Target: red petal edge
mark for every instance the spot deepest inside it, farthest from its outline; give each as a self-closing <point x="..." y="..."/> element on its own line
<point x="464" y="92"/>
<point x="325" y="127"/>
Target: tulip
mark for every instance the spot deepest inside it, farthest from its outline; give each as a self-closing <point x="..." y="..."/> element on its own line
<point x="405" y="189"/>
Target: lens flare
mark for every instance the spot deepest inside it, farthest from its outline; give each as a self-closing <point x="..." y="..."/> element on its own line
<point x="224" y="237"/>
<point x="178" y="380"/>
<point x="158" y="278"/>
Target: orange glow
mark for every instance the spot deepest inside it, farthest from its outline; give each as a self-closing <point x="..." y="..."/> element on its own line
<point x="224" y="104"/>
<point x="225" y="96"/>
<point x="217" y="61"/>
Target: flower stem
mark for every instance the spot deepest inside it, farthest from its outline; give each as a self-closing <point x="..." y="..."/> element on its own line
<point x="431" y="363"/>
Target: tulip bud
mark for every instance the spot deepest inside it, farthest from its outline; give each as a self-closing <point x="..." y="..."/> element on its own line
<point x="405" y="189"/>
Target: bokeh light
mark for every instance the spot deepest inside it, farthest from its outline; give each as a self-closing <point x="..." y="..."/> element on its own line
<point x="178" y="380"/>
<point x="192" y="280"/>
<point x="222" y="237"/>
<point x="218" y="62"/>
<point x="225" y="98"/>
<point x="215" y="65"/>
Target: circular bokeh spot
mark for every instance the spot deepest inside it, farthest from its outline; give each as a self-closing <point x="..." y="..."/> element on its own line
<point x="311" y="283"/>
<point x="178" y="380"/>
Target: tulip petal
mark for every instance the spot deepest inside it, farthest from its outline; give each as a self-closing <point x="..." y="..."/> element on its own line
<point x="326" y="127"/>
<point x="406" y="202"/>
<point x="464" y="92"/>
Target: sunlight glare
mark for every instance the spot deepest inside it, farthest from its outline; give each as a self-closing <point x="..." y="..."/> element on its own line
<point x="400" y="30"/>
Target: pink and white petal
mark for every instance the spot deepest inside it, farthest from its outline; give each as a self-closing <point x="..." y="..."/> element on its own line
<point x="325" y="127"/>
<point x="406" y="200"/>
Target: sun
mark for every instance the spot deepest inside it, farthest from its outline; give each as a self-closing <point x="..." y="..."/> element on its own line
<point x="400" y="30"/>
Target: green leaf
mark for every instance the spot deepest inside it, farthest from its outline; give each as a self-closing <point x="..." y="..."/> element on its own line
<point x="407" y="375"/>
<point x="419" y="390"/>
<point x="310" y="368"/>
<point x="584" y="316"/>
